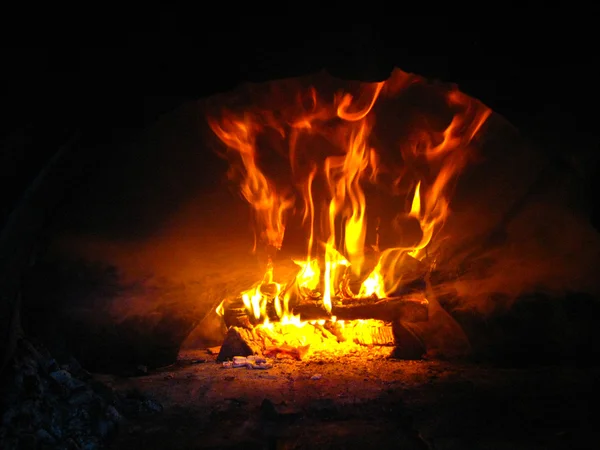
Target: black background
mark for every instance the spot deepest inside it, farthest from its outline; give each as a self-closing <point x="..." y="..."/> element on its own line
<point x="110" y="79"/>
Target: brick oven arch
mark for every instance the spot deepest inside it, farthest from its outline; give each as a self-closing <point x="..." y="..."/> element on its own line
<point x="96" y="96"/>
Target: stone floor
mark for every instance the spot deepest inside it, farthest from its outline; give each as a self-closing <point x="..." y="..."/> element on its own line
<point x="362" y="401"/>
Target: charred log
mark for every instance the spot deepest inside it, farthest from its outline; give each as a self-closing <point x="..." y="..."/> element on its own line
<point x="408" y="308"/>
<point x="235" y="314"/>
<point x="408" y="345"/>
<point x="240" y="342"/>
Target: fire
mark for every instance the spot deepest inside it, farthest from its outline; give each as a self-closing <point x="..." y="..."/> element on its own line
<point x="268" y="205"/>
<point x="333" y="166"/>
<point x="373" y="285"/>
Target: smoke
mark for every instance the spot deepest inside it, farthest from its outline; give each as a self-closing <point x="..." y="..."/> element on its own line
<point x="156" y="222"/>
<point x="209" y="260"/>
<point x="518" y="226"/>
<point x="515" y="264"/>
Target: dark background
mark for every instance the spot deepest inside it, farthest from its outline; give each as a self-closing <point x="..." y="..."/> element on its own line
<point x="110" y="84"/>
<point x="109" y="81"/>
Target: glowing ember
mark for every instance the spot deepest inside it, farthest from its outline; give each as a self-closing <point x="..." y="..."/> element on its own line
<point x="334" y="165"/>
<point x="304" y="340"/>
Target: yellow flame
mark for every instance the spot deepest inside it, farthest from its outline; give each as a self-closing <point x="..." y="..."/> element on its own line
<point x="373" y="285"/>
<point x="415" y="208"/>
<point x="333" y="260"/>
<point x="220" y="310"/>
<point x="309" y="275"/>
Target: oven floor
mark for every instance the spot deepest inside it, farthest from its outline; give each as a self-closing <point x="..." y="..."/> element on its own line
<point x="355" y="402"/>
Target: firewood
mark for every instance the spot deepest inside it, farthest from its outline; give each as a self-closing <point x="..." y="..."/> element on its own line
<point x="381" y="335"/>
<point x="368" y="332"/>
<point x="408" y="345"/>
<point x="235" y="314"/>
<point x="239" y="342"/>
<point x="411" y="307"/>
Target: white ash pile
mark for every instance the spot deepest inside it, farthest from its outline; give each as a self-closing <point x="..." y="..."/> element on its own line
<point x="248" y="362"/>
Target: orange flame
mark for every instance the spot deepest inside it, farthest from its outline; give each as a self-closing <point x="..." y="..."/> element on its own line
<point x="269" y="205"/>
<point x="332" y="159"/>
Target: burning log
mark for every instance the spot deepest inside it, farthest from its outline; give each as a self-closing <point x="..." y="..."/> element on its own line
<point x="235" y="315"/>
<point x="243" y="342"/>
<point x="242" y="345"/>
<point x="409" y="308"/>
<point x="290" y="340"/>
<point x="374" y="335"/>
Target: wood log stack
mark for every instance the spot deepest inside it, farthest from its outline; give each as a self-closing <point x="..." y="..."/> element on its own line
<point x="243" y="340"/>
<point x="411" y="307"/>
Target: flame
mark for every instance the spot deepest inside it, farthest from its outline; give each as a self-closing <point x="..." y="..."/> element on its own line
<point x="309" y="274"/>
<point x="347" y="196"/>
<point x="333" y="260"/>
<point x="269" y="205"/>
<point x="373" y="285"/>
<point x="327" y="142"/>
<point x="220" y="310"/>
